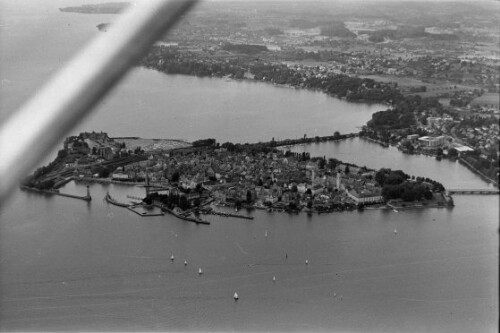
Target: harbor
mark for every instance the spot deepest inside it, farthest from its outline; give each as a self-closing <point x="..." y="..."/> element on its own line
<point x="156" y="209"/>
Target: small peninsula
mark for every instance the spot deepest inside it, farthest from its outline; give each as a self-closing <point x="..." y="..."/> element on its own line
<point x="180" y="177"/>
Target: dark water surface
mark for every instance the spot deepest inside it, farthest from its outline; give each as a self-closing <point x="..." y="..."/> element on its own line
<point x="71" y="265"/>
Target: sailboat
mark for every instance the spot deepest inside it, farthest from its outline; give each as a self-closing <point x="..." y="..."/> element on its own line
<point x="185" y="263"/>
<point x="200" y="271"/>
<point x="235" y="296"/>
<point x="274" y="278"/>
<point x="172" y="257"/>
<point x="395" y="231"/>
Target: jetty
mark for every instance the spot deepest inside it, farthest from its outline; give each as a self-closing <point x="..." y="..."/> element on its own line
<point x="145" y="210"/>
<point x="109" y="199"/>
<point x="213" y="212"/>
<point x="56" y="192"/>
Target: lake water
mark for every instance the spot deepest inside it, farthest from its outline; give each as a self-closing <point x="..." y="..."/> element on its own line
<point x="365" y="153"/>
<point x="70" y="265"/>
<point x="152" y="105"/>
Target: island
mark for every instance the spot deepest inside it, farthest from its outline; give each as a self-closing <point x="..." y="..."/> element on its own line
<point x="190" y="178"/>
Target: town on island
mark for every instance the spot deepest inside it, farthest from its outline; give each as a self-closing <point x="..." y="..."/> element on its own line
<point x="187" y="180"/>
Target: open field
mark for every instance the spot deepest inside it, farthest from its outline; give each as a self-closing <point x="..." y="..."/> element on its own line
<point x="401" y="81"/>
<point x="153" y="144"/>
<point x="487" y="99"/>
<point x="411" y="82"/>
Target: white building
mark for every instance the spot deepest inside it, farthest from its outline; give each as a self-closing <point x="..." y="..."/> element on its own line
<point x="365" y="196"/>
<point x="119" y="175"/>
<point x="430" y="141"/>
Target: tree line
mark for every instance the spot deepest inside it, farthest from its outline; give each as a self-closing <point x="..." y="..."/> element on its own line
<point x="172" y="61"/>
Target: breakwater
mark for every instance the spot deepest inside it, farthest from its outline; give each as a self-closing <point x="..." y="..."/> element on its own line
<point x="145" y="211"/>
<point x="213" y="212"/>
<point x="56" y="192"/>
<point x="112" y="201"/>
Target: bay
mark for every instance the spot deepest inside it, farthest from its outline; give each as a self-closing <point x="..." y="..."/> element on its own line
<point x="37" y="40"/>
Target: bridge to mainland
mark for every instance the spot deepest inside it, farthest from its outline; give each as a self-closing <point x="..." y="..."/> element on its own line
<point x="473" y="191"/>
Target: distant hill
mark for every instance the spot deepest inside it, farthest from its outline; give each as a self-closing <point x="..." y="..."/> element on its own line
<point x="401" y="32"/>
<point x="337" y="29"/>
<point x="101" y="8"/>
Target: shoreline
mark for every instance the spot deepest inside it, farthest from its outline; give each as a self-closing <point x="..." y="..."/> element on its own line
<point x="277" y="85"/>
<point x="331" y="207"/>
<point x="418" y="153"/>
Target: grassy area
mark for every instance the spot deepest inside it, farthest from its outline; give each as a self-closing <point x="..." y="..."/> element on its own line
<point x="487" y="99"/>
<point x="433" y="89"/>
<point x="152" y="144"/>
<point x="401" y="81"/>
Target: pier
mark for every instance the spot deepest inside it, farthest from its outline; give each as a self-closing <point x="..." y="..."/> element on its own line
<point x="56" y="192"/>
<point x="146" y="211"/>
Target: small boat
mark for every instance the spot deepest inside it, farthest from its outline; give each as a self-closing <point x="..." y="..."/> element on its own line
<point x="200" y="271"/>
<point x="395" y="231"/>
<point x="274" y="278"/>
<point x="235" y="296"/>
<point x="172" y="257"/>
<point x="334" y="294"/>
<point x="265" y="234"/>
<point x="185" y="263"/>
<point x="395" y="210"/>
<point x="307" y="262"/>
